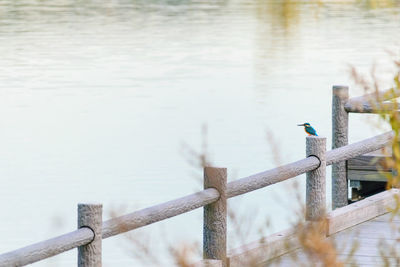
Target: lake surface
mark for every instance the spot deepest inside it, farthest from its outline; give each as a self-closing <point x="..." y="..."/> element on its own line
<point x="105" y="101"/>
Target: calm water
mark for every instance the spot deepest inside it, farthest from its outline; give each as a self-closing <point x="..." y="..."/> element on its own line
<point x="101" y="100"/>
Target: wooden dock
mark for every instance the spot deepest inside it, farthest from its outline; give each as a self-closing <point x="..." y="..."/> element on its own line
<point x="361" y="234"/>
<point x="371" y="243"/>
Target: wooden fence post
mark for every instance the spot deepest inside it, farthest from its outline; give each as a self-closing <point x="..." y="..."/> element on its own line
<point x="316" y="179"/>
<point x="215" y="216"/>
<point x="90" y="216"/>
<point x="340" y="130"/>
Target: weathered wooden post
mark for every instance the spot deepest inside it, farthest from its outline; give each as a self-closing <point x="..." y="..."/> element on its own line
<point x="340" y="130"/>
<point x="90" y="216"/>
<point x="316" y="179"/>
<point x="215" y="216"/>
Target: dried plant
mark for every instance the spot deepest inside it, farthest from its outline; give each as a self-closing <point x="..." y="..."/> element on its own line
<point x="387" y="107"/>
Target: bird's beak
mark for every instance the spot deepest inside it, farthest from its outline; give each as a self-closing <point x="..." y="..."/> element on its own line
<point x="300" y="124"/>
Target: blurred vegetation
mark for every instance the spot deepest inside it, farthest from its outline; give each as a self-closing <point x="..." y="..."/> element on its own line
<point x="386" y="106"/>
<point x="374" y="4"/>
<point x="385" y="102"/>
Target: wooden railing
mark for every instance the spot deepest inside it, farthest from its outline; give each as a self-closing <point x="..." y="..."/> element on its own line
<point x="91" y="230"/>
<point x="341" y="107"/>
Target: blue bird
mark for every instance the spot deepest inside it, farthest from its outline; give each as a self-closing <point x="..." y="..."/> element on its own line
<point x="309" y="129"/>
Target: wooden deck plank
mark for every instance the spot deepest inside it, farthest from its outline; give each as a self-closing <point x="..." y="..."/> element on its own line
<point x="302" y="260"/>
<point x="364" y="223"/>
<point x="361" y="211"/>
<point x="368" y="163"/>
<point x="387" y="218"/>
<point x="263" y="250"/>
<point x="371" y="230"/>
<point x="366" y="175"/>
<point x="368" y="238"/>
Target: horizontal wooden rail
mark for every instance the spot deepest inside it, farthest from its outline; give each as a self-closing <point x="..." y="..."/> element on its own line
<point x="84" y="236"/>
<point x="47" y="249"/>
<point x="359" y="148"/>
<point x="373" y="103"/>
<point x="263" y="179"/>
<point x="188" y="203"/>
<point x="372" y="107"/>
<point x="159" y="212"/>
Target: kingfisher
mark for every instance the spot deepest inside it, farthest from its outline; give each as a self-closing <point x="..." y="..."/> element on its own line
<point x="309" y="129"/>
